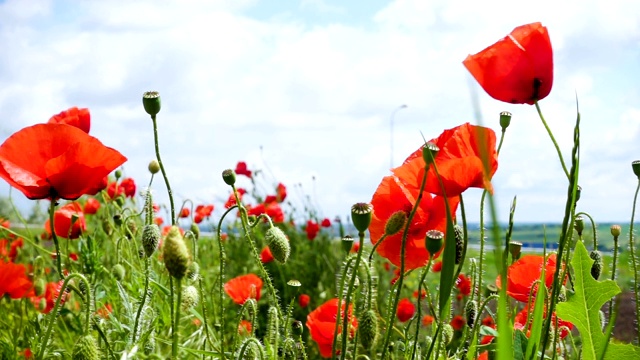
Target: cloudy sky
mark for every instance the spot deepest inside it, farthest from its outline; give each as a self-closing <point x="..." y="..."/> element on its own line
<point x="306" y="89"/>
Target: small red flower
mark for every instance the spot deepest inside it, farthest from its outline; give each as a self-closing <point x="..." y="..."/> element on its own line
<point x="325" y="223"/>
<point x="13" y="248"/>
<point x="241" y="169"/>
<point x="105" y="311"/>
<point x="312" y="229"/>
<point x="488" y="321"/>
<point x="232" y="198"/>
<point x="458" y="322"/>
<point x="427" y="320"/>
<point x="520" y="322"/>
<point x="303" y="300"/>
<point x="64" y="223"/>
<point x="91" y="206"/>
<point x="79" y="118"/>
<point x="244" y="327"/>
<point x="463" y="283"/>
<point x="522" y="274"/>
<point x="266" y="256"/>
<point x="322" y="324"/>
<point x="243" y="287"/>
<point x="422" y="295"/>
<point x="518" y="69"/>
<point x="129" y="186"/>
<point x="281" y="192"/>
<point x="437" y="267"/>
<point x="405" y="310"/>
<point x="184" y="213"/>
<point x="56" y="161"/>
<point x="355" y="247"/>
<point x="14" y="280"/>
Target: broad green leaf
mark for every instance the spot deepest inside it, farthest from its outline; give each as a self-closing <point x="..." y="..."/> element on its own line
<point x="519" y="345"/>
<point x="582" y="309"/>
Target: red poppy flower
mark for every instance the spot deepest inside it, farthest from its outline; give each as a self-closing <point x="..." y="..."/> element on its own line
<point x="281" y="192"/>
<point x="158" y="221"/>
<point x="266" y="256"/>
<point x="520" y="322"/>
<point x="392" y="196"/>
<point x="275" y="212"/>
<point x="423" y="294"/>
<point x="312" y="229"/>
<point x="14" y="280"/>
<point x="50" y="296"/>
<point x="463" y="283"/>
<point x="518" y="69"/>
<point x="99" y="186"/>
<point x="91" y="206"/>
<point x="458" y="322"/>
<point x="322" y="324"/>
<point x="459" y="162"/>
<point x="197" y="218"/>
<point x="355" y="247"/>
<point x="241" y="169"/>
<point x="105" y="311"/>
<point x="203" y="211"/>
<point x="185" y="212"/>
<point x="405" y="310"/>
<point x="243" y="287"/>
<point x="244" y="327"/>
<point x="325" y="223"/>
<point x="129" y="186"/>
<point x="55" y="161"/>
<point x="522" y="274"/>
<point x="427" y="320"/>
<point x="488" y="321"/>
<point x="156" y="208"/>
<point x="303" y="300"/>
<point x="79" y="118"/>
<point x="437" y="267"/>
<point x="232" y="198"/>
<point x="13" y="248"/>
<point x="63" y="219"/>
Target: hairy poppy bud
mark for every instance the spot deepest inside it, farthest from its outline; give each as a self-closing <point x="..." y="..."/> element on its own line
<point x="429" y="152"/>
<point x="579" y="225"/>
<point x="117" y="219"/>
<point x="636" y="168"/>
<point x="190" y="297"/>
<point x="459" y="233"/>
<point x="273" y="327"/>
<point x="41" y="286"/>
<point x="596" y="268"/>
<point x="194" y="271"/>
<point x="278" y="243"/>
<point x="347" y="243"/>
<point x="505" y="120"/>
<point x="175" y="253"/>
<point x="447" y="333"/>
<point x="106" y="226"/>
<point x="396" y="222"/>
<point x="471" y="310"/>
<point x="150" y="238"/>
<point x="85" y="349"/>
<point x="229" y="177"/>
<point x="195" y="229"/>
<point x="151" y="102"/>
<point x="154" y="166"/>
<point x="515" y="248"/>
<point x="368" y="327"/>
<point x="433" y="242"/>
<point x="118" y="272"/>
<point x="616" y="230"/>
<point x="361" y="216"/>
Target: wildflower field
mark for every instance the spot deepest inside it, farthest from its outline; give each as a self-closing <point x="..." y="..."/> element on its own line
<point x="111" y="274"/>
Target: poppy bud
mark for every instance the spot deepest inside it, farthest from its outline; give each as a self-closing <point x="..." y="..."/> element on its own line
<point x="616" y="230"/>
<point x="150" y="238"/>
<point x="297" y="328"/>
<point x="579" y="225"/>
<point x="636" y="168"/>
<point x="395" y="223"/>
<point x="106" y="226"/>
<point x="471" y="310"/>
<point x="118" y="272"/>
<point x="195" y="229"/>
<point x="278" y="243"/>
<point x="151" y="102"/>
<point x="578" y="192"/>
<point x="85" y="349"/>
<point x="273" y="327"/>
<point x="361" y="216"/>
<point x="347" y="243"/>
<point x="190" y="297"/>
<point x="505" y="120"/>
<point x="118" y="174"/>
<point x="194" y="271"/>
<point x="41" y="286"/>
<point x="229" y="177"/>
<point x="175" y="253"/>
<point x="433" y="241"/>
<point x="154" y="166"/>
<point x="117" y="219"/>
<point x="459" y="233"/>
<point x="429" y="152"/>
<point x="596" y="268"/>
<point x="515" y="249"/>
<point x="447" y="333"/>
<point x="368" y="327"/>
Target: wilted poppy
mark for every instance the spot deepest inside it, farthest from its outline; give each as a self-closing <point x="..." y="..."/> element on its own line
<point x="312" y="229"/>
<point x="55" y="161"/>
<point x="91" y="206"/>
<point x="322" y="324"/>
<point x="459" y="161"/>
<point x="405" y="310"/>
<point x="522" y="274"/>
<point x="69" y="221"/>
<point x="241" y="169"/>
<point x="244" y="287"/>
<point x="14" y="280"/>
<point x="79" y="118"/>
<point x="518" y="69"/>
<point x="266" y="256"/>
<point x="392" y="196"/>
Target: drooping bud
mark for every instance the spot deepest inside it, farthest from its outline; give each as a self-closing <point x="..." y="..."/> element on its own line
<point x="447" y="333"/>
<point x="175" y="253"/>
<point x="229" y="177"/>
<point x="616" y="230"/>
<point x="505" y="120"/>
<point x="596" y="268"/>
<point x="347" y="243"/>
<point x="194" y="271"/>
<point x="368" y="328"/>
<point x="41" y="286"/>
<point x="579" y="225"/>
<point x="118" y="272"/>
<point x="636" y="168"/>
<point x="471" y="310"/>
<point x="195" y="229"/>
<point x="150" y="238"/>
<point x="396" y="222"/>
<point x="273" y="327"/>
<point x="361" y="214"/>
<point x="106" y="227"/>
<point x="151" y="102"/>
<point x="429" y="152"/>
<point x="190" y="297"/>
<point x="433" y="241"/>
<point x="154" y="166"/>
<point x="515" y="248"/>
<point x="85" y="349"/>
<point x="459" y="233"/>
<point x="278" y="243"/>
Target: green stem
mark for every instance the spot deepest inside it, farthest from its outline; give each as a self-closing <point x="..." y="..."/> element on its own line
<point x="425" y="271"/>
<point x="346" y="317"/>
<point x="52" y="209"/>
<point x="555" y="144"/>
<point x="164" y="173"/>
<point x="613" y="269"/>
<point x="593" y="229"/>
<point x="634" y="261"/>
<point x="175" y="333"/>
<point x="144" y="299"/>
<point x="345" y="272"/>
<point x="223" y="257"/>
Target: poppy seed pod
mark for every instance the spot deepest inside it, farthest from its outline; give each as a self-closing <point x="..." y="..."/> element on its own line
<point x="515" y="248"/>
<point x="361" y="214"/>
<point x="151" y="102"/>
<point x="396" y="222"/>
<point x="278" y="243"/>
<point x="229" y="177"/>
<point x="596" y="268"/>
<point x="368" y="328"/>
<point x="459" y="233"/>
<point x="636" y="168"/>
<point x="85" y="349"/>
<point x="175" y="253"/>
<point x="579" y="225"/>
<point x="433" y="241"/>
<point x="347" y="243"/>
<point x="490" y="290"/>
<point x="190" y="297"/>
<point x="429" y="152"/>
<point x="505" y="120"/>
<point x="616" y="230"/>
<point x="154" y="166"/>
<point x="150" y="238"/>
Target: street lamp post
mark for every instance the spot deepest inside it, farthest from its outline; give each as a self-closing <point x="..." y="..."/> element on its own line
<point x="393" y="114"/>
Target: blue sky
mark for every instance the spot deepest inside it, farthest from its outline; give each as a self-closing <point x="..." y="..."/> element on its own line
<point x="305" y="89"/>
